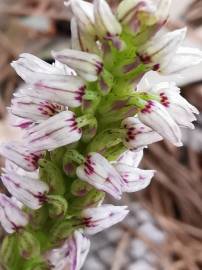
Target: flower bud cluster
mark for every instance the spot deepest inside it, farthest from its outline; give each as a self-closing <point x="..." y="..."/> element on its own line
<point x="86" y="121"/>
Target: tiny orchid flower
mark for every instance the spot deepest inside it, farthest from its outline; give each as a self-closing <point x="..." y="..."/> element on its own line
<point x="169" y="95"/>
<point x="59" y="130"/>
<point x="28" y="64"/>
<point x="138" y="135"/>
<point x="82" y="41"/>
<point x="155" y="116"/>
<point x="56" y="88"/>
<point x="165" y="54"/>
<point x="20" y="155"/>
<point x="98" y="172"/>
<point x="105" y="21"/>
<point x="131" y="158"/>
<point x="12" y="218"/>
<point x="134" y="179"/>
<point x="71" y="255"/>
<point x="184" y="58"/>
<point x="87" y="65"/>
<point x="34" y="108"/>
<point x="100" y="218"/>
<point x="83" y="11"/>
<point x="29" y="191"/>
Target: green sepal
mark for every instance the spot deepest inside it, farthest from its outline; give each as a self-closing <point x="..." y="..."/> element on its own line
<point x="57" y="156"/>
<point x="71" y="159"/>
<point x="51" y="174"/>
<point x="9" y="256"/>
<point x="105" y="82"/>
<point x="57" y="206"/>
<point x="105" y="140"/>
<point x="61" y="230"/>
<point x="37" y="263"/>
<point x="28" y="245"/>
<point x="113" y="153"/>
<point x="37" y="217"/>
<point x="91" y="199"/>
<point x="80" y="188"/>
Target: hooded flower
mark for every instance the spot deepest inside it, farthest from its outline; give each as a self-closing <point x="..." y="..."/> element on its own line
<point x="97" y="219"/>
<point x="98" y="172"/>
<point x="29" y="191"/>
<point x="169" y="95"/>
<point x="59" y="130"/>
<point x="87" y="65"/>
<point x="34" y="108"/>
<point x="28" y="64"/>
<point x="71" y="255"/>
<point x="11" y="216"/>
<point x="106" y="23"/>
<point x="134" y="179"/>
<point x="164" y="53"/>
<point x="49" y="83"/>
<point x="20" y="155"/>
<point x="83" y="11"/>
<point x="138" y="135"/>
<point x="155" y="116"/>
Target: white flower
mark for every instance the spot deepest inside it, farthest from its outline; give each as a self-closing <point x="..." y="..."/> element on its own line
<point x="155" y="116"/>
<point x="138" y="135"/>
<point x="71" y="255"/>
<point x="87" y="65"/>
<point x="184" y="58"/>
<point x="98" y="172"/>
<point x="29" y="191"/>
<point x="169" y="95"/>
<point x="82" y="41"/>
<point x="20" y="155"/>
<point x="34" y="108"/>
<point x="103" y="217"/>
<point x="83" y="11"/>
<point x="11" y="216"/>
<point x="134" y="179"/>
<point x="59" y="130"/>
<point x="106" y="23"/>
<point x="164" y="53"/>
<point x="29" y="65"/>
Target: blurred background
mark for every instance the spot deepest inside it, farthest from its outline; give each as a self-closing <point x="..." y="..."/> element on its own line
<point x="164" y="228"/>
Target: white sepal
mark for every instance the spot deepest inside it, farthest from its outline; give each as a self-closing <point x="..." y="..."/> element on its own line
<point x="134" y="179"/>
<point x="71" y="255"/>
<point x="20" y="155"/>
<point x="100" y="218"/>
<point x="138" y="135"/>
<point x="12" y="217"/>
<point x="98" y="172"/>
<point x="87" y="65"/>
<point x="59" y="130"/>
<point x="106" y="23"/>
<point x="27" y="190"/>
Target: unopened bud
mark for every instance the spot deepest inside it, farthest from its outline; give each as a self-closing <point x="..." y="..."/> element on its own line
<point x="57" y="206"/>
<point x="28" y="245"/>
